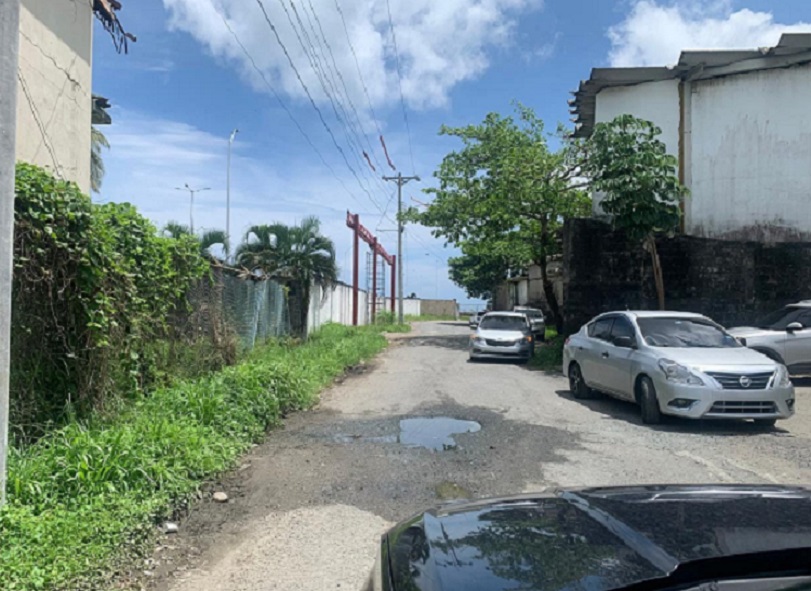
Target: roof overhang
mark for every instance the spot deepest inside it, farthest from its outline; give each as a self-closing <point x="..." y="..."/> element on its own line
<point x="793" y="49"/>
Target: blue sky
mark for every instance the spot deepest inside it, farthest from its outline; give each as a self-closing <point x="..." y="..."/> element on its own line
<point x="187" y="83"/>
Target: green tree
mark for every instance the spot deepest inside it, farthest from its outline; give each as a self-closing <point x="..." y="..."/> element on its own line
<point x="258" y="249"/>
<point x="206" y="239"/>
<point x="298" y="256"/>
<point x="629" y="164"/>
<point x="211" y="238"/>
<point x="483" y="266"/>
<point x="507" y="191"/>
<point x="97" y="142"/>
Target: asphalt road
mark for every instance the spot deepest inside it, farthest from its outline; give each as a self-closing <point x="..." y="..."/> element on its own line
<point x="307" y="507"/>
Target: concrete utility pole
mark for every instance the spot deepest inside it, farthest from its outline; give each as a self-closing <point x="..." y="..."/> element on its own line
<point x="228" y="198"/>
<point x="400" y="180"/>
<point x="191" y="191"/>
<point x="9" y="52"/>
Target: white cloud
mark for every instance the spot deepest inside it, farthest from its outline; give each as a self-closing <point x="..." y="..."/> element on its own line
<point x="654" y="33"/>
<point x="440" y="43"/>
<point x="149" y="157"/>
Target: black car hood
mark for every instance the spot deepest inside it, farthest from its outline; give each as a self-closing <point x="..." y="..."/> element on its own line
<point x="592" y="540"/>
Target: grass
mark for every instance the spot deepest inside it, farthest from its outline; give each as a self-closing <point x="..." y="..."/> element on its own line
<point x="549" y="356"/>
<point x="87" y="497"/>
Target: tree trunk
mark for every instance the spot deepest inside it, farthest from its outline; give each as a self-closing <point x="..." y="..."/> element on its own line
<point x="304" y="307"/>
<point x="650" y="246"/>
<point x="548" y="286"/>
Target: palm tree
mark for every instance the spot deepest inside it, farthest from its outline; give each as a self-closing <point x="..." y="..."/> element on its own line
<point x="97" y="142"/>
<point x="176" y="230"/>
<point x="211" y="238"/>
<point x="207" y="239"/>
<point x="298" y="256"/>
<point x="258" y="251"/>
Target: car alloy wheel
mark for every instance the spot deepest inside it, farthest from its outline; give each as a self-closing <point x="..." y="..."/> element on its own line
<point x="577" y="385"/>
<point x="649" y="402"/>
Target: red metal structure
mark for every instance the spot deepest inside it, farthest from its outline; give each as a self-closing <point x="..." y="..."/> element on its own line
<point x="362" y="233"/>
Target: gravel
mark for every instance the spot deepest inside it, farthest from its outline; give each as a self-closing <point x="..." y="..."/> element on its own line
<point x="306" y="508"/>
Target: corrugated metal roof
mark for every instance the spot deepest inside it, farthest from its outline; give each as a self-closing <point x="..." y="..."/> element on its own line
<point x="693" y="64"/>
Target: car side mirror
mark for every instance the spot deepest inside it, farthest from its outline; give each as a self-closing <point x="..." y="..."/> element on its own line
<point x="625" y="342"/>
<point x="792" y="326"/>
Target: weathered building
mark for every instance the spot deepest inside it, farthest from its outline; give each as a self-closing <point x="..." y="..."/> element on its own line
<point x="54" y="100"/>
<point x="739" y="125"/>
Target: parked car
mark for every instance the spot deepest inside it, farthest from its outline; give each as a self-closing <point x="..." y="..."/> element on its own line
<point x="502" y="335"/>
<point x="474" y="320"/>
<point x="536" y="320"/>
<point x="784" y="335"/>
<point x="663" y="538"/>
<point x="676" y="363"/>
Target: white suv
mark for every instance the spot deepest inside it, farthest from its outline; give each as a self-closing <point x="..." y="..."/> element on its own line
<point x="784" y="335"/>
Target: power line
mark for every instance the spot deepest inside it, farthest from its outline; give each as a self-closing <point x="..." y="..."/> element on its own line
<point x="287" y="110"/>
<point x="360" y="72"/>
<point x="400" y="85"/>
<point x="312" y="101"/>
<point x="343" y="84"/>
<point x="315" y="63"/>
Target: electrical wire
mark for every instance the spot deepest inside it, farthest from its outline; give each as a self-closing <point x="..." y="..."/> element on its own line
<point x="343" y="84"/>
<point x="312" y="102"/>
<point x="400" y="85"/>
<point x="357" y="65"/>
<point x="287" y="110"/>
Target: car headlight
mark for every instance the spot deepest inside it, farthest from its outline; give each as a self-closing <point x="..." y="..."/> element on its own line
<point x="477" y="340"/>
<point x="679" y="374"/>
<point x="782" y="379"/>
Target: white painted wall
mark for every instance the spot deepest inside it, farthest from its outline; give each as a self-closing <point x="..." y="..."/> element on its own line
<point x="653" y="101"/>
<point x="54" y="98"/>
<point x="750" y="156"/>
<point x="335" y="305"/>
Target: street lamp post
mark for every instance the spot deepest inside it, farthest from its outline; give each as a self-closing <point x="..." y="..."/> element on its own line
<point x="228" y="197"/>
<point x="191" y="191"/>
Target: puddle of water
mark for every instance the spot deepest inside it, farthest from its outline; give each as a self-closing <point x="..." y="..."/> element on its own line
<point x="434" y="432"/>
<point x="430" y="432"/>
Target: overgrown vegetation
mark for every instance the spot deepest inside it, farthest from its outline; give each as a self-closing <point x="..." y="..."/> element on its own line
<point x="549" y="356"/>
<point x="386" y="321"/>
<point x="94" y="289"/>
<point x="501" y="199"/>
<point x="629" y="163"/>
<point x="91" y="492"/>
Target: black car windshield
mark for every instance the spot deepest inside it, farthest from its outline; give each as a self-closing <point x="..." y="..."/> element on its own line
<point x="684" y="332"/>
<point x="779" y="319"/>
<point x="503" y="323"/>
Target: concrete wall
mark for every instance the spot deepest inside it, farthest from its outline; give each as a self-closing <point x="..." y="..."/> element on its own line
<point x="335" y="305"/>
<point x="732" y="282"/>
<point x="750" y="156"/>
<point x="54" y="93"/>
<point x="438" y="308"/>
<point x="653" y="101"/>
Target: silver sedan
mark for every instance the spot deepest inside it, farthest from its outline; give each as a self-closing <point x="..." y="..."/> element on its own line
<point x="502" y="335"/>
<point x="676" y="363"/>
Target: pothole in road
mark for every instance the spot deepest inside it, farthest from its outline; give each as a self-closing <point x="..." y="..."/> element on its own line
<point x="435" y="433"/>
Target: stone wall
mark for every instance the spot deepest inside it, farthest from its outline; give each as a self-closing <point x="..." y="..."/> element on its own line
<point x="732" y="282"/>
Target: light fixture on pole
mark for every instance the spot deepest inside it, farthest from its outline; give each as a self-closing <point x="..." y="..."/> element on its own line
<point x="228" y="196"/>
<point x="191" y="191"/>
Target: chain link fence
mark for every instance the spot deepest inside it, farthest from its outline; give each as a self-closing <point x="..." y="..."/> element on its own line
<point x="244" y="311"/>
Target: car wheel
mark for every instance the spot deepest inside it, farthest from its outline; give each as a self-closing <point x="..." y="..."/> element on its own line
<point x="765" y="423"/>
<point x="649" y="402"/>
<point x="577" y="385"/>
